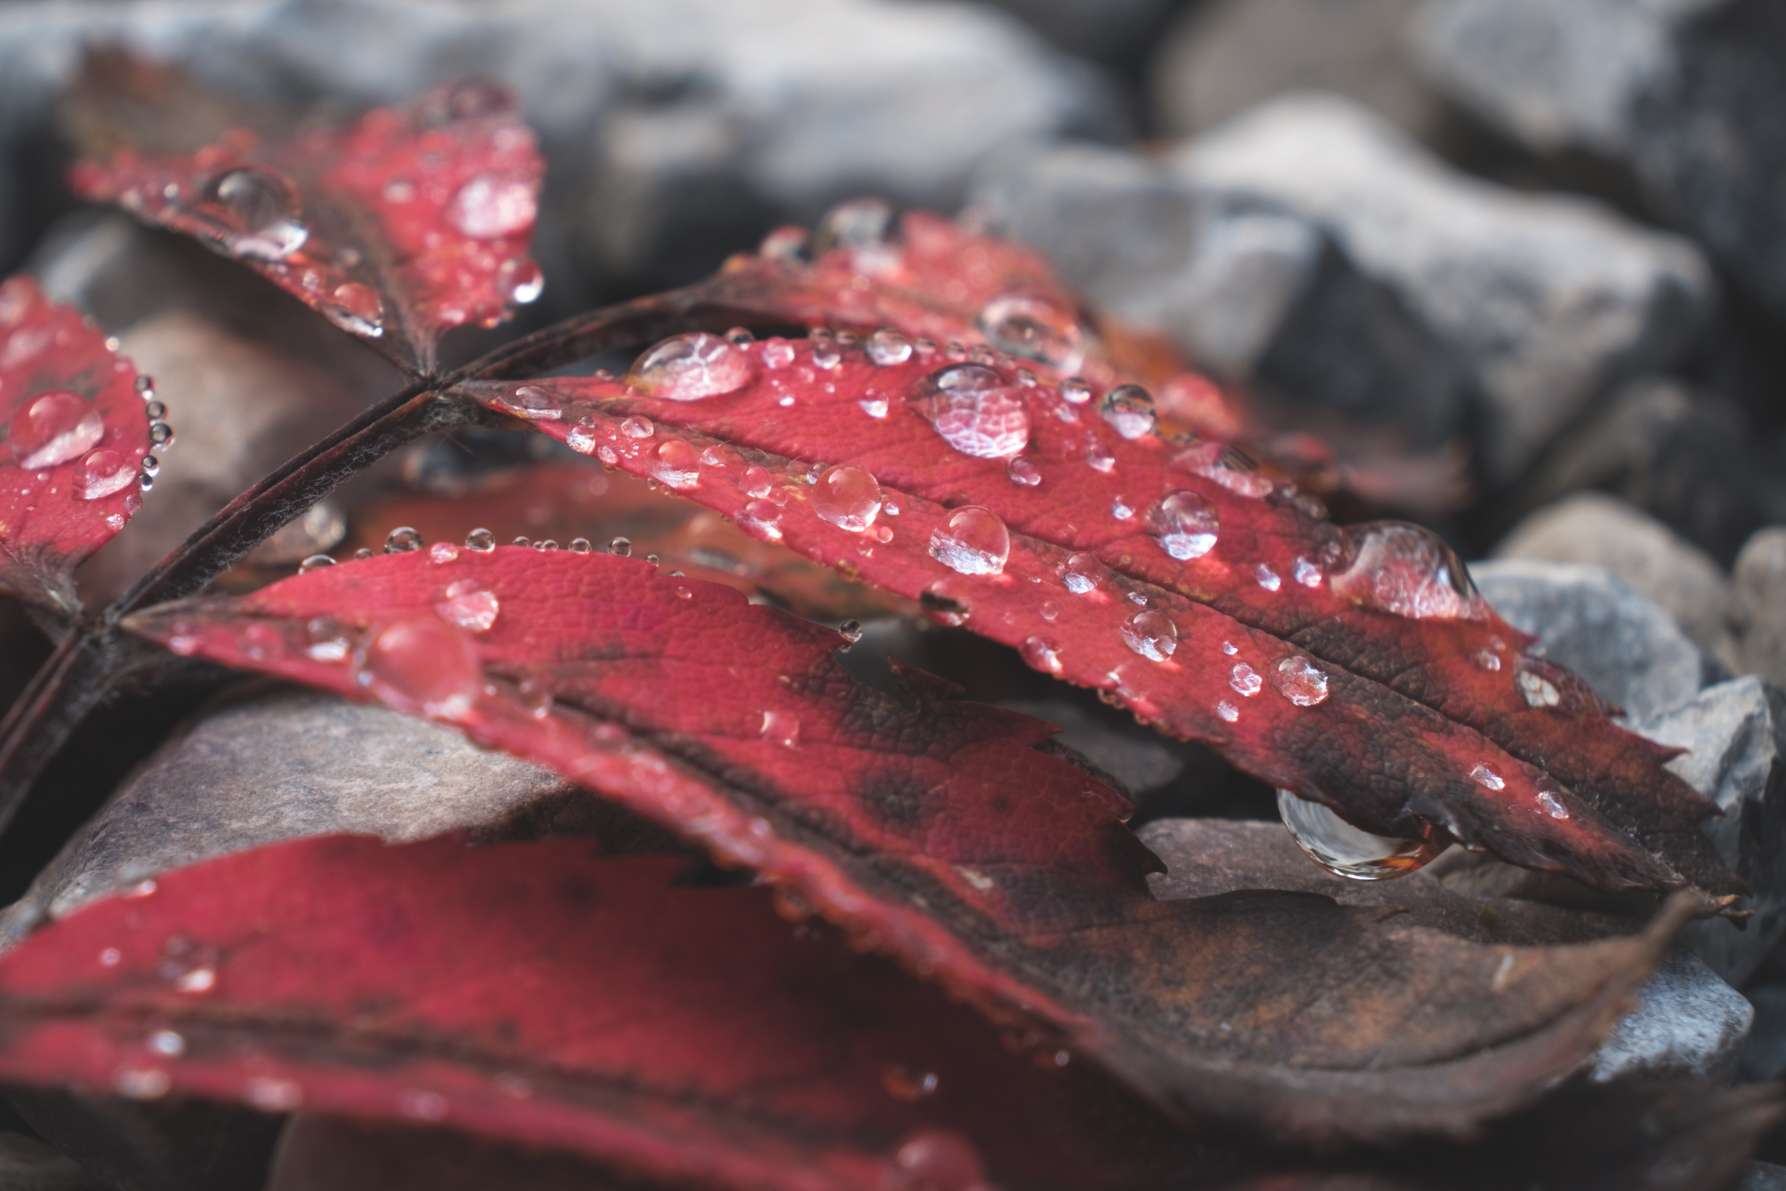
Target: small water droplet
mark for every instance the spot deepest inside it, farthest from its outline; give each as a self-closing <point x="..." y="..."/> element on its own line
<point x="1076" y="389"/>
<point x="325" y="640"/>
<point x="1488" y="659"/>
<point x="1245" y="680"/>
<point x="489" y="206"/>
<point x="259" y="212"/>
<point x="761" y="519"/>
<point x="974" y="410"/>
<point x="1306" y="573"/>
<point x="909" y="1084"/>
<point x="426" y="666"/>
<point x="480" y="541"/>
<point x="678" y="465"/>
<point x="972" y="541"/>
<point x="1035" y="328"/>
<point x="534" y="402"/>
<point x="848" y="497"/>
<point x="1042" y="654"/>
<point x="693" y="367"/>
<point x="778" y="353"/>
<point x="780" y="727"/>
<point x="315" y="562"/>
<point x="1121" y="509"/>
<point x="1185" y="525"/>
<point x="1301" y="681"/>
<point x="621" y="547"/>
<point x="1152" y="634"/>
<point x="637" y="427"/>
<point x="1486" y="777"/>
<point x="1227" y="711"/>
<point x="1128" y="409"/>
<point x="887" y="346"/>
<point x="142" y="1083"/>
<point x="1080" y="573"/>
<point x="1349" y="851"/>
<point x="105" y="472"/>
<point x="1552" y="805"/>
<point x="1231" y="468"/>
<point x="523" y="279"/>
<point x="356" y="308"/>
<point x="52" y="429"/>
<point x="469" y="605"/>
<point x="402" y="540"/>
<point x="1024" y="471"/>
<point x="936" y="1160"/>
<point x="1538" y="690"/>
<point x="1267" y="578"/>
<point x="169" y="1043"/>
<point x="441" y="553"/>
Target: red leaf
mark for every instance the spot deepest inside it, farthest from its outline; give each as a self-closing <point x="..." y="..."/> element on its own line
<point x="540" y="994"/>
<point x="398" y="226"/>
<point x="938" y="831"/>
<point x="1356" y="667"/>
<point x="75" y="429"/>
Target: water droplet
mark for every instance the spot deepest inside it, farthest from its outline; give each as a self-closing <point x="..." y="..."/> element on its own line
<point x="190" y="967"/>
<point x="402" y="540"/>
<point x="325" y="640"/>
<point x="482" y="541"/>
<point x="356" y="308"/>
<point x="315" y="562"/>
<point x="621" y="547"/>
<point x="1121" y="509"/>
<point x="54" y="428"/>
<point x="426" y="666"/>
<point x="905" y="1083"/>
<point x="259" y="211"/>
<point x="1267" y="578"/>
<point x="104" y="472"/>
<point x="1245" y="680"/>
<point x="848" y="497"/>
<point x="1129" y="411"/>
<point x="862" y="223"/>
<point x="1301" y="681"/>
<point x="973" y="541"/>
<point x="778" y="353"/>
<point x="678" y="465"/>
<point x="1024" y="471"/>
<point x="1042" y="654"/>
<point x="489" y="206"/>
<point x="535" y="402"/>
<point x="761" y="519"/>
<point x="142" y="1083"/>
<point x="534" y="694"/>
<point x="167" y="1042"/>
<point x="1035" y="328"/>
<point x="271" y="1094"/>
<point x="1349" y="851"/>
<point x="887" y="346"/>
<point x="1538" y="690"/>
<point x="692" y="367"/>
<point x="637" y="427"/>
<point x="1306" y="573"/>
<point x="1488" y="659"/>
<point x="1486" y="777"/>
<point x="974" y="410"/>
<point x="1407" y="571"/>
<point x="523" y="279"/>
<point x="1076" y="389"/>
<point x="1152" y="634"/>
<point x="936" y="1160"/>
<point x="780" y="727"/>
<point x="1080" y="573"/>
<point x="1552" y="805"/>
<point x="469" y="605"/>
<point x="1227" y="711"/>
<point x="1185" y="525"/>
<point x="441" y="553"/>
<point x="1231" y="468"/>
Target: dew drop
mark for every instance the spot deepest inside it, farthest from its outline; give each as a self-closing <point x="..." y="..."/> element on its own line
<point x="426" y="666"/>
<point x="469" y="605"/>
<point x="848" y="497"/>
<point x="936" y="1160"/>
<point x="1227" y="711"/>
<point x="1184" y="524"/>
<point x="480" y="541"/>
<point x="1128" y="409"/>
<point x="54" y="428"/>
<point x="1267" y="578"/>
<point x="402" y="540"/>
<point x="523" y="279"/>
<point x="325" y="640"/>
<point x="534" y="402"/>
<point x="1538" y="690"/>
<point x="972" y="541"/>
<point x="778" y="353"/>
<point x="692" y="367"/>
<point x="315" y="562"/>
<point x="1041" y="654"/>
<point x="356" y="308"/>
<point x="1487" y="778"/>
<point x="1406" y="571"/>
<point x="1152" y="634"/>
<point x="1076" y="390"/>
<point x="1349" y="851"/>
<point x="1301" y="681"/>
<point x="761" y="519"/>
<point x="905" y="1083"/>
<point x="1227" y="466"/>
<point x="104" y="472"/>
<point x="1552" y="805"/>
<point x="1023" y="471"/>
<point x="974" y="410"/>
<point x="489" y="206"/>
<point x="1245" y="680"/>
<point x="1080" y="573"/>
<point x="1035" y="328"/>
<point x="441" y="553"/>
<point x="260" y="212"/>
<point x="1306" y="573"/>
<point x="637" y="427"/>
<point x="678" y="465"/>
<point x="168" y="1043"/>
<point x="780" y="727"/>
<point x="621" y="547"/>
<point x="887" y="346"/>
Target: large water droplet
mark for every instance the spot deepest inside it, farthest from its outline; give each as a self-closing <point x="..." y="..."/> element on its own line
<point x="104" y="472"/>
<point x="259" y="211"/>
<point x="677" y="465"/>
<point x="426" y="666"/>
<point x="1152" y="634"/>
<point x="491" y="205"/>
<point x="848" y="497"/>
<point x="974" y="410"/>
<point x="52" y="429"/>
<point x="1301" y="681"/>
<point x="1035" y="328"/>
<point x="1184" y="524"/>
<point x="469" y="605"/>
<point x="972" y="541"/>
<point x="1129" y="410"/>
<point x="692" y="367"/>
<point x="1406" y="571"/>
<point x="1349" y="851"/>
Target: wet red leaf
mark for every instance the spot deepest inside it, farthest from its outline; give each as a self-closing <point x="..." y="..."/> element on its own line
<point x="939" y="831"/>
<point x="75" y="425"/>
<point x="398" y="226"/>
<point x="1354" y="666"/>
<point x="539" y="993"/>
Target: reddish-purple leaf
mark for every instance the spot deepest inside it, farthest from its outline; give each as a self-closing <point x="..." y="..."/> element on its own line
<point x="399" y="226"/>
<point x="538" y="993"/>
<point x="74" y="432"/>
<point x="936" y="830"/>
<point x="1356" y="666"/>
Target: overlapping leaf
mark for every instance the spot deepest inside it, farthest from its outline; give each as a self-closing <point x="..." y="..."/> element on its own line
<point x="75" y="425"/>
<point x="538" y="993"/>
<point x="1356" y="667"/>
<point x="937" y="831"/>
<point x="398" y="226"/>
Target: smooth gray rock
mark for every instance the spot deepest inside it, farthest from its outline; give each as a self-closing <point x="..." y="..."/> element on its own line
<point x="1602" y="531"/>
<point x="279" y="764"/>
<point x="1687" y="1020"/>
<point x="1735" y="737"/>
<point x="675" y="130"/>
<point x="1763" y="1176"/>
<point x="1254" y="291"/>
<point x="1680" y="93"/>
<point x="1225" y="56"/>
<point x="1627" y="648"/>
<point x="1547" y="300"/>
<point x="1118" y="33"/>
<point x="1760" y="604"/>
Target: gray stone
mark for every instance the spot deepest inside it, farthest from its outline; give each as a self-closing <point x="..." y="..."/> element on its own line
<point x="282" y="764"/>
<point x="1627" y="649"/>
<point x="1735" y="737"/>
<point x="1118" y="33"/>
<point x="1677" y="92"/>
<point x="1760" y="604"/>
<point x="1548" y="300"/>
<point x="1225" y="56"/>
<point x="1255" y="292"/>
<point x="1603" y="531"/>
<point x="1763" y="1176"/>
<point x="26" y="1164"/>
<point x="1686" y="1020"/>
<point x="1764" y="1051"/>
<point x="708" y="120"/>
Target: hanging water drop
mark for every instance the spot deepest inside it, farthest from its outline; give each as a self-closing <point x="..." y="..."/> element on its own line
<point x="972" y="541"/>
<point x="1349" y="851"/>
<point x="356" y="308"/>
